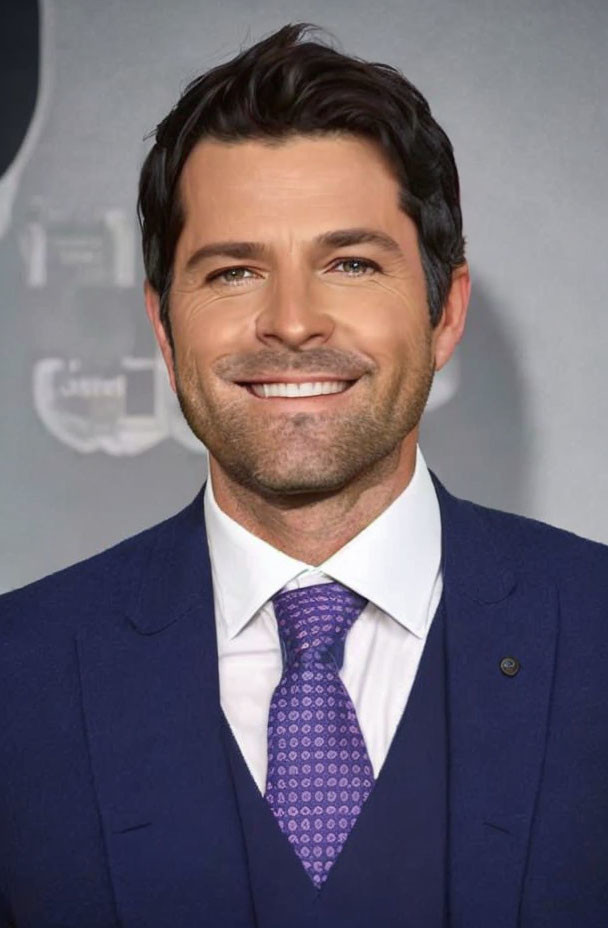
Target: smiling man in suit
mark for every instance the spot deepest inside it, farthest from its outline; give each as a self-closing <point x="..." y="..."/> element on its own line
<point x="327" y="693"/>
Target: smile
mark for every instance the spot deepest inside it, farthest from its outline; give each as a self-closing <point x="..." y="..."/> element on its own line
<point x="296" y="390"/>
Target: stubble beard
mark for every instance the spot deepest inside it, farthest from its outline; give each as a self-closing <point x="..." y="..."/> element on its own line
<point x="306" y="453"/>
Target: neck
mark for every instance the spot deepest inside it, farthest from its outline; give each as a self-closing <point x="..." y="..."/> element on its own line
<point x="312" y="527"/>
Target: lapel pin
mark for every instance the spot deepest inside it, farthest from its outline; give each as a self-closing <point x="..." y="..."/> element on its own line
<point x="510" y="666"/>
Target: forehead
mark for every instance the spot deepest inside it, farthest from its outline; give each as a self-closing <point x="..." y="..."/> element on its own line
<point x="299" y="181"/>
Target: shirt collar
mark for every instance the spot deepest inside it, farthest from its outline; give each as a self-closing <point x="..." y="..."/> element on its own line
<point x="393" y="562"/>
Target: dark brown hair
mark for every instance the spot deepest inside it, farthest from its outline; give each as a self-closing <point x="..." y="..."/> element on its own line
<point x="283" y="86"/>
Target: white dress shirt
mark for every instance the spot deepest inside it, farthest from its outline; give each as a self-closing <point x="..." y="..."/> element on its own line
<point x="394" y="563"/>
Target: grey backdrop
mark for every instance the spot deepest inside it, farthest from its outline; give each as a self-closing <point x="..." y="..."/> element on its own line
<point x="93" y="447"/>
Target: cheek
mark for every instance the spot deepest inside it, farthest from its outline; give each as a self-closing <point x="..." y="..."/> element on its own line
<point x="205" y="328"/>
<point x="387" y="322"/>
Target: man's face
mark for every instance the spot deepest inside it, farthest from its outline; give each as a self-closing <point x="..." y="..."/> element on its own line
<point x="312" y="302"/>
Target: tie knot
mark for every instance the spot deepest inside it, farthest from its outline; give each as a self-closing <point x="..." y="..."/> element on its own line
<point x="315" y="618"/>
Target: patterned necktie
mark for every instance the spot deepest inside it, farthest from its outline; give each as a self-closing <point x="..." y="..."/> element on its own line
<point x="319" y="771"/>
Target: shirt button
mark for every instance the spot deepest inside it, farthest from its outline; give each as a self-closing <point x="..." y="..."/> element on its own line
<point x="510" y="666"/>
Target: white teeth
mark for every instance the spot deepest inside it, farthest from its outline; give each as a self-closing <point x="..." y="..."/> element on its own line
<point x="299" y="389"/>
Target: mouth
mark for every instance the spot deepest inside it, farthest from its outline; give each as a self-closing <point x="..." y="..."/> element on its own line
<point x="298" y="392"/>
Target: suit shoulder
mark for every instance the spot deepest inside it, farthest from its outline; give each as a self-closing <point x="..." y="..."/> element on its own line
<point x="540" y="548"/>
<point x="86" y="586"/>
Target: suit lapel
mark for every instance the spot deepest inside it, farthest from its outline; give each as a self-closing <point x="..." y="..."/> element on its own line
<point x="152" y="716"/>
<point x="497" y="723"/>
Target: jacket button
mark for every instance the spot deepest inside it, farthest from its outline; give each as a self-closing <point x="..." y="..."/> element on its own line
<point x="510" y="666"/>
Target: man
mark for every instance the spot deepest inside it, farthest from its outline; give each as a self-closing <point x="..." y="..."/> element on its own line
<point x="327" y="693"/>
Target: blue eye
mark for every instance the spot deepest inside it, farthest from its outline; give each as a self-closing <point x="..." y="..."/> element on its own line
<point x="227" y="276"/>
<point x="362" y="262"/>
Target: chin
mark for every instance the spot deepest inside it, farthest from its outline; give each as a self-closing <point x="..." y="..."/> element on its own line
<point x="265" y="479"/>
<point x="300" y="480"/>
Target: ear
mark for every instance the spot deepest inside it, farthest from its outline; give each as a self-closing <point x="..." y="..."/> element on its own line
<point x="152" y="300"/>
<point x="448" y="332"/>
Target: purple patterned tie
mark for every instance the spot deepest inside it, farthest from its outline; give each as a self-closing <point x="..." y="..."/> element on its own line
<point x="319" y="771"/>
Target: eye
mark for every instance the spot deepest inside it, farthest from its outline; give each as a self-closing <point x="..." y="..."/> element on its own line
<point x="235" y="276"/>
<point x="360" y="266"/>
<point x="232" y="276"/>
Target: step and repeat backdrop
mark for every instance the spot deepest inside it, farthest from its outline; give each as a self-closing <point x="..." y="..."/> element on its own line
<point x="93" y="445"/>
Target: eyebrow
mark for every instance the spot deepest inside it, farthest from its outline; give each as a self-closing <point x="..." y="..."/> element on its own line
<point x="340" y="238"/>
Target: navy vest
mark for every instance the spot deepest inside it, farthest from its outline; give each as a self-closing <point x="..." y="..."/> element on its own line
<point x="391" y="872"/>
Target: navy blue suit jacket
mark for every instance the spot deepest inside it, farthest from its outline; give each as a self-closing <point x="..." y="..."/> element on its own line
<point x="116" y="803"/>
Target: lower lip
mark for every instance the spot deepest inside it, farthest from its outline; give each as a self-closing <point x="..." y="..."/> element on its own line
<point x="299" y="402"/>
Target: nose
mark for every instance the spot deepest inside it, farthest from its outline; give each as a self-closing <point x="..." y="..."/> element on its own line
<point x="293" y="314"/>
